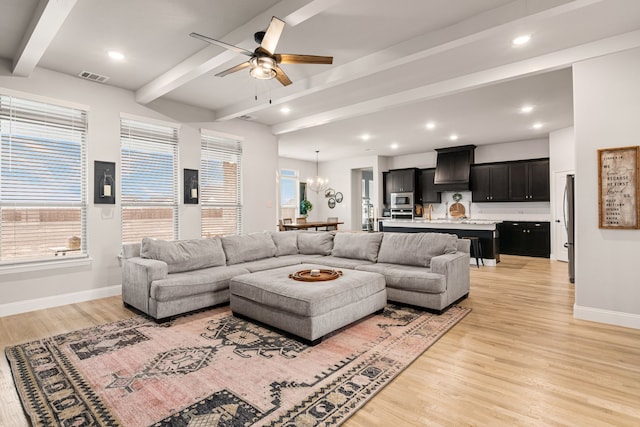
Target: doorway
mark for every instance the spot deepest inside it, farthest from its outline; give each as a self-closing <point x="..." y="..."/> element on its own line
<point x="367" y="202"/>
<point x="559" y="216"/>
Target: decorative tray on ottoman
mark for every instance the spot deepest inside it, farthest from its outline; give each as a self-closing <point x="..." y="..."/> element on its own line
<point x="323" y="275"/>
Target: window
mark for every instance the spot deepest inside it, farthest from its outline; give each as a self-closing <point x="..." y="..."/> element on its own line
<point x="149" y="176"/>
<point x="220" y="186"/>
<point x="42" y="180"/>
<point x="288" y="193"/>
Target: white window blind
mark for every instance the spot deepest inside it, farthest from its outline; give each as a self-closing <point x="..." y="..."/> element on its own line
<point x="43" y="171"/>
<point x="220" y="187"/>
<point x="149" y="177"/>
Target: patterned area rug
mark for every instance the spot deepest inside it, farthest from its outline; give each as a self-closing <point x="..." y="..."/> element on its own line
<point x="212" y="369"/>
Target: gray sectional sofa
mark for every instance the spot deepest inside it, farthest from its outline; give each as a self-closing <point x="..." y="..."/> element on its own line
<point x="164" y="279"/>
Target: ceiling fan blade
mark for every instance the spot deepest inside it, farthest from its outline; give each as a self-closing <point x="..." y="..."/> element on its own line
<point x="272" y="35"/>
<point x="222" y="44"/>
<point x="288" y="58"/>
<point x="282" y="77"/>
<point x="233" y="69"/>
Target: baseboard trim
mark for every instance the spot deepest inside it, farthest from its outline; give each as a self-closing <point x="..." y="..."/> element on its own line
<point x="58" y="300"/>
<point x="628" y="320"/>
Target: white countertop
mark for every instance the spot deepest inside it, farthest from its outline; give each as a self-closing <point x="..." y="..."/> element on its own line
<point x="460" y="224"/>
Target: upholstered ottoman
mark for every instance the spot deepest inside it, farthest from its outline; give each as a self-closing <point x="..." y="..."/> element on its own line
<point x="307" y="309"/>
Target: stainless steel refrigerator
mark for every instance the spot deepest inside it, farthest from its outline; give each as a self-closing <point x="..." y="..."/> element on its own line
<point x="569" y="220"/>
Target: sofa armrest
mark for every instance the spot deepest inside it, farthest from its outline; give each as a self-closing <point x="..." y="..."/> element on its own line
<point x="455" y="268"/>
<point x="137" y="275"/>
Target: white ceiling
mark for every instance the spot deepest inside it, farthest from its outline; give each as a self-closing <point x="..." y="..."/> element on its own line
<point x="397" y="65"/>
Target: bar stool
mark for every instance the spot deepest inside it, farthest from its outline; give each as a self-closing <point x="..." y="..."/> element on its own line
<point x="476" y="250"/>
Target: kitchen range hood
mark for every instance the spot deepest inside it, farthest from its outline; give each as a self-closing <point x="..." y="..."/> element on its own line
<point x="453" y="167"/>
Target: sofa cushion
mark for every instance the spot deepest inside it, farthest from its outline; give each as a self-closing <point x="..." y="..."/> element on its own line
<point x="357" y="245"/>
<point x="415" y="248"/>
<point x="248" y="247"/>
<point x="190" y="283"/>
<point x="408" y="277"/>
<point x="184" y="255"/>
<point x="274" y="262"/>
<point x="315" y="242"/>
<point x="338" y="262"/>
<point x="130" y="250"/>
<point x="286" y="242"/>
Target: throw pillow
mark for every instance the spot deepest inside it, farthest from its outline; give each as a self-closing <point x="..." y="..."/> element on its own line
<point x="315" y="243"/>
<point x="249" y="247"/>
<point x="357" y="245"/>
<point x="286" y="242"/>
<point x="184" y="255"/>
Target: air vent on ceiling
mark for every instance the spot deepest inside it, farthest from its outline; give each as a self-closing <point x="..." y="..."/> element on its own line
<point x="246" y="117"/>
<point x="93" y="77"/>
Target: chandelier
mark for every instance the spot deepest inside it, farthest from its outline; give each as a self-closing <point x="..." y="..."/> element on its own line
<point x="317" y="184"/>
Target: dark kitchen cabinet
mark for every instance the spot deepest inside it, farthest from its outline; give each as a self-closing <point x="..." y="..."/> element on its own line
<point x="529" y="181"/>
<point x="386" y="196"/>
<point x="490" y="183"/>
<point x="426" y="188"/>
<point x="520" y="181"/>
<point x="402" y="180"/>
<point x="525" y="238"/>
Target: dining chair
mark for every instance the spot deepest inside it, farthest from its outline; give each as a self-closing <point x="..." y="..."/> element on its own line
<point x="332" y="227"/>
<point x="281" y="225"/>
<point x="287" y="220"/>
<point x="301" y="220"/>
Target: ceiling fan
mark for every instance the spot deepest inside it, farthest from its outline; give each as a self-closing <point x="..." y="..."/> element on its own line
<point x="263" y="62"/>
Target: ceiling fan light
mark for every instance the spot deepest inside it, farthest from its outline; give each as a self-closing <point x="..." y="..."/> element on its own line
<point x="262" y="67"/>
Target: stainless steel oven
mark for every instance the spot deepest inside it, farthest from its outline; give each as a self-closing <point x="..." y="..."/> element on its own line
<point x="402" y="201"/>
<point x="399" y="213"/>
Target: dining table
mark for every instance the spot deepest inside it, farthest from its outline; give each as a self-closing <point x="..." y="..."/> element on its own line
<point x="311" y="224"/>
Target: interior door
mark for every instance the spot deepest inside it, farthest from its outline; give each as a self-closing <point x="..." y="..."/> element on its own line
<point x="559" y="224"/>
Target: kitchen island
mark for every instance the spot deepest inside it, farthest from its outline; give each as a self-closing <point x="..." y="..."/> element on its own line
<point x="485" y="230"/>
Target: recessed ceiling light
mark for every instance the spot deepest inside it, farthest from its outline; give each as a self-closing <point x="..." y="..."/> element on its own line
<point x="285" y="110"/>
<point x="431" y="125"/>
<point x="394" y="146"/>
<point x="116" y="55"/>
<point x="526" y="109"/>
<point x="537" y="125"/>
<point x="453" y="137"/>
<point x="365" y="137"/>
<point x="520" y="40"/>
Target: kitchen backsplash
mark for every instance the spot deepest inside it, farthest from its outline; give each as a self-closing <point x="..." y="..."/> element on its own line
<point x="512" y="211"/>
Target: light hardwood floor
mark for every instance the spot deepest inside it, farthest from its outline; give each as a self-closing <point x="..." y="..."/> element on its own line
<point x="519" y="358"/>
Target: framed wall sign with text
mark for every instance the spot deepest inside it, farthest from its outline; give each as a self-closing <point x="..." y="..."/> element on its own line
<point x="618" y="188"/>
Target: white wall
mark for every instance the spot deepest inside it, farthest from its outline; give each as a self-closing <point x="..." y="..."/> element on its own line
<point x="562" y="150"/>
<point x="516" y="150"/>
<point x="102" y="275"/>
<point x="606" y="115"/>
<point x="305" y="170"/>
<point x="340" y="174"/>
<point x="502" y="152"/>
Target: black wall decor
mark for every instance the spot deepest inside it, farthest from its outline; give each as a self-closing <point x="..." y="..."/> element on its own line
<point x="104" y="183"/>
<point x="191" y="187"/>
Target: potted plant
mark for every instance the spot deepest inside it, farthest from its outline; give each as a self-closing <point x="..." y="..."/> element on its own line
<point x="305" y="207"/>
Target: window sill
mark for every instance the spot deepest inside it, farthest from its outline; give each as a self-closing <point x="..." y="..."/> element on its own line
<point x="45" y="265"/>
